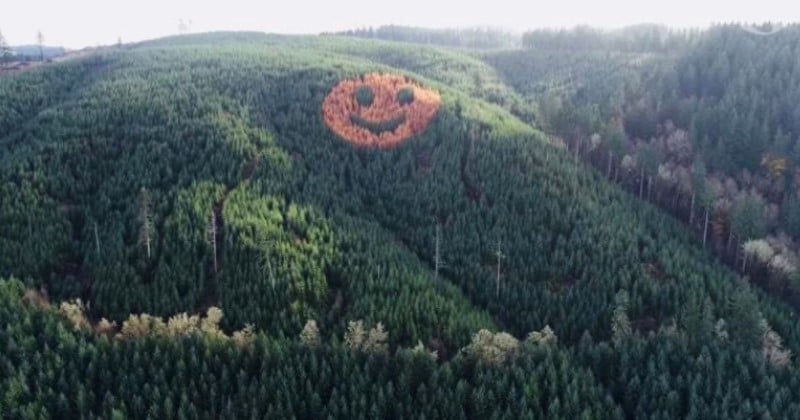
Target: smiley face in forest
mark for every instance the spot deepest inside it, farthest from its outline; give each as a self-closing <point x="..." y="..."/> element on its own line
<point x="379" y="110"/>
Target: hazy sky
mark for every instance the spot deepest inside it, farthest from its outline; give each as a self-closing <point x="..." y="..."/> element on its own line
<point x="79" y="23"/>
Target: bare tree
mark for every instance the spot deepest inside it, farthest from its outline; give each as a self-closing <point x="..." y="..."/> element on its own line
<point x="212" y="238"/>
<point x="499" y="255"/>
<point x="5" y="49"/>
<point x="145" y="221"/>
<point x="96" y="239"/>
<point x="701" y="196"/>
<point x="438" y="264"/>
<point x="40" y="42"/>
<point x="266" y="261"/>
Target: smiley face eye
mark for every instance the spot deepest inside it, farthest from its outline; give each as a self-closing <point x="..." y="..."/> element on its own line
<point x="405" y="96"/>
<point x="364" y="96"/>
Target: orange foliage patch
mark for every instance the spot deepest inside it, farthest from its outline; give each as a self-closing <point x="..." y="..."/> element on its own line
<point x="399" y="109"/>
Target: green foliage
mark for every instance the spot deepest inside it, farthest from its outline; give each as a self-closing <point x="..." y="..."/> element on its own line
<point x="637" y="38"/>
<point x="307" y="227"/>
<point x="462" y="38"/>
<point x="744" y="319"/>
<point x="791" y="214"/>
<point x="77" y="376"/>
<point x="747" y="218"/>
<point x="702" y="118"/>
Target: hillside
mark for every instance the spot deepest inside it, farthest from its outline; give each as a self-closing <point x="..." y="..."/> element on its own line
<point x="703" y="124"/>
<point x="199" y="172"/>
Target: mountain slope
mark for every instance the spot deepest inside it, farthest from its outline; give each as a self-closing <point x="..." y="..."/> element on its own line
<point x="703" y="119"/>
<point x="197" y="171"/>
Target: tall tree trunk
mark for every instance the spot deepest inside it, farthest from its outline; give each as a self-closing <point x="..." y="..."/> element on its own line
<point x="436" y="255"/>
<point x="146" y="237"/>
<point x="268" y="263"/>
<point x="499" y="255"/>
<point x="497" y="291"/>
<point x="691" y="211"/>
<point x="212" y="238"/>
<point x="608" y="167"/>
<point x="96" y="239"/>
<point x="705" y="229"/>
<point x="144" y="219"/>
<point x="649" y="188"/>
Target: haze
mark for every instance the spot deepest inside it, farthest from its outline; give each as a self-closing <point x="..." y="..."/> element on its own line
<point x="81" y="23"/>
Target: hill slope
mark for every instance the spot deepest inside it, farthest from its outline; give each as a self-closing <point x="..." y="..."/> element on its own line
<point x="197" y="171"/>
<point x="704" y="119"/>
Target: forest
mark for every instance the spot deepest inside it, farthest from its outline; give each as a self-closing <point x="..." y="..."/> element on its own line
<point x="463" y="38"/>
<point x="701" y="124"/>
<point x="554" y="229"/>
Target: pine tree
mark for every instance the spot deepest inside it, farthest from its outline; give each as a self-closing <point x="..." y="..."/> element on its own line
<point x="698" y="321"/>
<point x="747" y="217"/>
<point x="744" y="320"/>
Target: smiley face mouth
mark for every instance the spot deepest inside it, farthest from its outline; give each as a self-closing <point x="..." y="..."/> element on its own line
<point x="378" y="127"/>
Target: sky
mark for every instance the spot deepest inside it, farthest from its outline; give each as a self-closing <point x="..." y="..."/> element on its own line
<point x="81" y="23"/>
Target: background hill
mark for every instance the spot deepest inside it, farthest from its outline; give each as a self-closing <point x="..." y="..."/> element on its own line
<point x="192" y="173"/>
<point x="703" y="124"/>
<point x="471" y="38"/>
<point x="32" y="52"/>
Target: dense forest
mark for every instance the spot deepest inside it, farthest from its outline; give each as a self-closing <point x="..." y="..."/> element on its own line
<point x="704" y="124"/>
<point x="480" y="38"/>
<point x="184" y="235"/>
